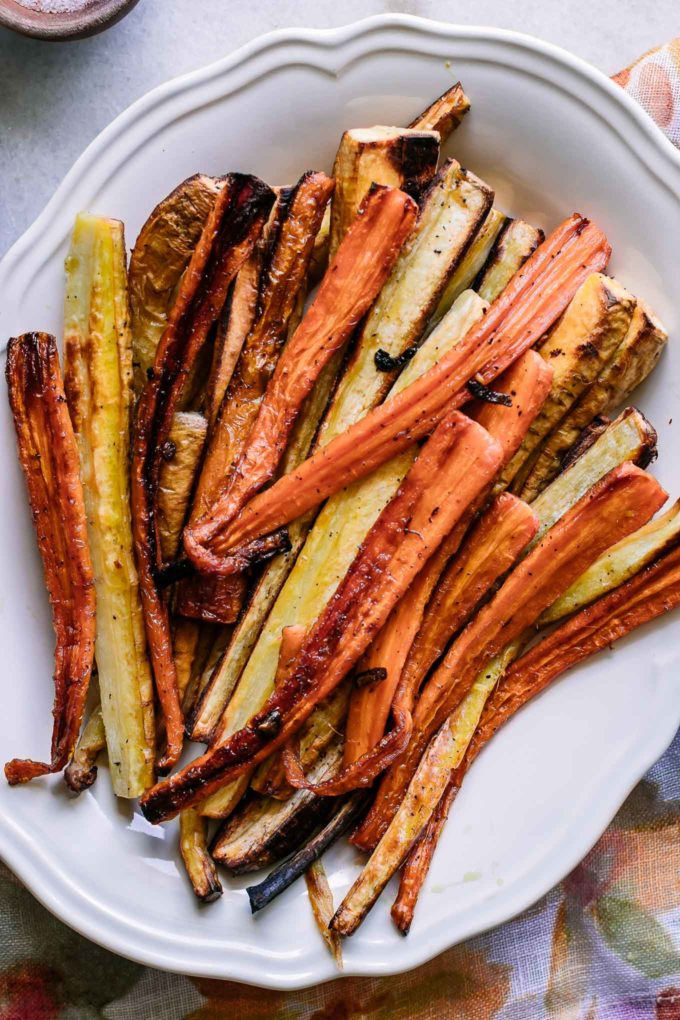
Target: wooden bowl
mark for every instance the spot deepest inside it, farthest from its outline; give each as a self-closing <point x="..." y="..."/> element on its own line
<point x="83" y="20"/>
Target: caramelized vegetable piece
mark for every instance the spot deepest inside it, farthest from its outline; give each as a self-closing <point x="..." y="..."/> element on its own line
<point x="515" y="243"/>
<point x="199" y="864"/>
<point x="48" y="455"/>
<point x="390" y="156"/>
<point x="98" y="387"/>
<point x="633" y="360"/>
<point x="361" y="266"/>
<point x="345" y="814"/>
<point x="230" y="232"/>
<point x="453" y="467"/>
<point x="472" y="264"/>
<point x="532" y="301"/>
<point x="623" y="501"/>
<point x="445" y="114"/>
<point x="578" y="348"/>
<point x="181" y="460"/>
<point x="321" y="900"/>
<point x="81" y="771"/>
<point x="161" y="254"/>
<point x="283" y="273"/>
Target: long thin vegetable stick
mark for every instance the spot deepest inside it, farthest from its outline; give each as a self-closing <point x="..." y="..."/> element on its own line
<point x="458" y="460"/>
<point x="321" y="900"/>
<point x="613" y="508"/>
<point x="353" y="280"/>
<point x="197" y="861"/>
<point x="527" y="383"/>
<point x="239" y="213"/>
<point x="532" y="301"/>
<point x="48" y="455"/>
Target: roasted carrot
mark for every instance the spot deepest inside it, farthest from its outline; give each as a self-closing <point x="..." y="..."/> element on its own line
<point x="456" y="463"/>
<point x="417" y="864"/>
<point x="535" y="297"/>
<point x="527" y="383"/>
<point x="354" y="278"/>
<point x="239" y="213"/>
<point x="48" y="455"/>
<point x="616" y="506"/>
<point x="653" y="592"/>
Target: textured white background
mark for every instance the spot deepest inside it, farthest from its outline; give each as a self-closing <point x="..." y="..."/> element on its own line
<point x="55" y="97"/>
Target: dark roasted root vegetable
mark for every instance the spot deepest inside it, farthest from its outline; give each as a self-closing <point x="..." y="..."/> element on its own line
<point x="450" y="213"/>
<point x="181" y="460"/>
<point x="48" y="455"/>
<point x="456" y="463"/>
<point x="283" y="273"/>
<point x="631" y="363"/>
<point x="200" y="866"/>
<point x="344" y="816"/>
<point x="390" y="156"/>
<point x="613" y="508"/>
<point x="514" y="244"/>
<point x="528" y="306"/>
<point x="338" y="531"/>
<point x="81" y="771"/>
<point x="262" y="831"/>
<point x="237" y="217"/>
<point x="160" y="256"/>
<point x="238" y="316"/>
<point x="445" y="114"/>
<point x="578" y="348"/>
<point x="321" y="900"/>
<point x="98" y="387"/>
<point x="354" y="278"/>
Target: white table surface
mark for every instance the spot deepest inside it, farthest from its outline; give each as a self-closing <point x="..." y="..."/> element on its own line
<point x="55" y="97"/>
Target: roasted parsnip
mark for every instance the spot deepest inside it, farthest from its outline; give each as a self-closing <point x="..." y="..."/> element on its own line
<point x="578" y="348"/>
<point x="48" y="455"/>
<point x="181" y="460"/>
<point x="81" y="771"/>
<point x="199" y="865"/>
<point x="159" y="258"/>
<point x="514" y="244"/>
<point x="445" y="114"/>
<point x="395" y="157"/>
<point x="632" y="361"/>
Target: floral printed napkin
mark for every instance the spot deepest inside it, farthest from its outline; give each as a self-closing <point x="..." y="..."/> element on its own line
<point x="603" y="945"/>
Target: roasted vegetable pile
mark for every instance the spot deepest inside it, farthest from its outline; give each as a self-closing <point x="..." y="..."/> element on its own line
<point x="339" y="476"/>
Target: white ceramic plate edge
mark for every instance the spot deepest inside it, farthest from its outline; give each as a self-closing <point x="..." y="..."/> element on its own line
<point x="54" y="888"/>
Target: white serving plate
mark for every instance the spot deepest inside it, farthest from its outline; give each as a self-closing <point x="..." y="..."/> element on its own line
<point x="552" y="135"/>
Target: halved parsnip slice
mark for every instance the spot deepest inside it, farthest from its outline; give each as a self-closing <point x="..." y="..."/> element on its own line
<point x="200" y="866"/>
<point x="471" y="264"/>
<point x="444" y="114"/>
<point x="178" y="473"/>
<point x="81" y="771"/>
<point x="159" y="258"/>
<point x="578" y="348"/>
<point x="632" y="362"/>
<point x="515" y="243"/>
<point x="397" y="157"/>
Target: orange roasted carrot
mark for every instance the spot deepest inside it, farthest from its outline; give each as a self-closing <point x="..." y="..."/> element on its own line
<point x="653" y="592"/>
<point x="535" y="297"/>
<point x="453" y="467"/>
<point x="360" y="267"/>
<point x="527" y="384"/>
<point x="232" y="228"/>
<point x="621" y="502"/>
<point x="49" y="460"/>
